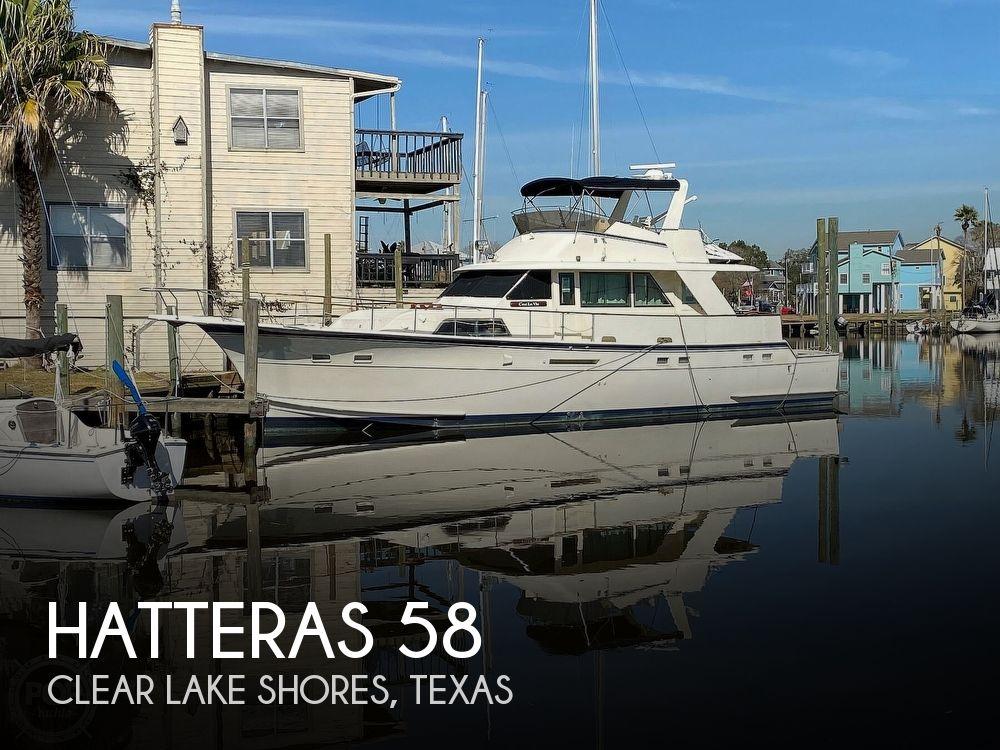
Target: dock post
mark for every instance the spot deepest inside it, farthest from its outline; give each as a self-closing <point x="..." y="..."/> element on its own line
<point x="62" y="326"/>
<point x="821" y="272"/>
<point x="833" y="285"/>
<point x="175" y="370"/>
<point x="828" y="529"/>
<point x="115" y="332"/>
<point x="251" y="319"/>
<point x="255" y="567"/>
<point x="245" y="269"/>
<point x="327" y="279"/>
<point x="397" y="272"/>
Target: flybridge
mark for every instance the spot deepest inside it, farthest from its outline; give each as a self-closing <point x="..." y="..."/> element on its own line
<point x="596" y="187"/>
<point x="586" y="190"/>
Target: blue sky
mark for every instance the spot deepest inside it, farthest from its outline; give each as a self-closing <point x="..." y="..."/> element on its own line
<point x="882" y="112"/>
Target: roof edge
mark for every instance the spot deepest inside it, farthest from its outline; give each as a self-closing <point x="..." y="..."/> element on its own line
<point x="376" y="78"/>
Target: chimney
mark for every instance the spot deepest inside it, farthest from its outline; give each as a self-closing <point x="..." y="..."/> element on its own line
<point x="175" y="11"/>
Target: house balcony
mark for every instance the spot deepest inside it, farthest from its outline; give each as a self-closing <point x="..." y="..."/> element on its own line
<point x="419" y="271"/>
<point x="405" y="163"/>
<point x="812" y="288"/>
<point x="808" y="268"/>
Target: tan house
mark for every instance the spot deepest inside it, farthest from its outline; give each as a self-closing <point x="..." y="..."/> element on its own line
<point x="213" y="149"/>
<point x="951" y="254"/>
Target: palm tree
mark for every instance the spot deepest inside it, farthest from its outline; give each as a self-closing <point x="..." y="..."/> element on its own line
<point x="50" y="74"/>
<point x="967" y="216"/>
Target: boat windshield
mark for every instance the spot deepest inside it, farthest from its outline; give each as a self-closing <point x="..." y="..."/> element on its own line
<point x="550" y="219"/>
<point x="482" y="284"/>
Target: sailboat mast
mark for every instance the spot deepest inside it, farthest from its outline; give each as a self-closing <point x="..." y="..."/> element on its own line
<point x="595" y="101"/>
<point x="446" y="207"/>
<point x="477" y="167"/>
<point x="481" y="137"/>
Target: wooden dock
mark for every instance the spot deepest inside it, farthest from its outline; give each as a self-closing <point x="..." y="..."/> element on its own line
<point x="797" y="326"/>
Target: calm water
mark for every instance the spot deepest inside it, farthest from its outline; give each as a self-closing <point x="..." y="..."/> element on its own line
<point x="823" y="579"/>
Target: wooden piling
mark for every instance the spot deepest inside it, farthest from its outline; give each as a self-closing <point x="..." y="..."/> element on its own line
<point x="245" y="269"/>
<point x="115" y="333"/>
<point x="251" y="320"/>
<point x="397" y="264"/>
<point x="62" y="326"/>
<point x="833" y="283"/>
<point x="327" y="279"/>
<point x="821" y="274"/>
<point x="173" y="355"/>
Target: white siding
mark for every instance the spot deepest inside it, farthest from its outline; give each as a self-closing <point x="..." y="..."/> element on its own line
<point x="317" y="179"/>
<point x="201" y="177"/>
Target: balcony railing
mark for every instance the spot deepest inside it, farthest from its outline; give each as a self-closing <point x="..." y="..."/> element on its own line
<point x="379" y="269"/>
<point x="408" y="156"/>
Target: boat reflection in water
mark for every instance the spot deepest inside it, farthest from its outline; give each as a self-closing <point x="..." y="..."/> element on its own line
<point x="599" y="534"/>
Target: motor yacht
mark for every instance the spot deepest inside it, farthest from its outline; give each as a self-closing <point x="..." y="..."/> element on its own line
<point x="584" y="314"/>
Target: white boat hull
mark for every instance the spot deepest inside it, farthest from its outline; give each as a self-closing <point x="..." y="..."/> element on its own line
<point x="452" y="380"/>
<point x="86" y="472"/>
<point x="646" y="470"/>
<point x="976" y="325"/>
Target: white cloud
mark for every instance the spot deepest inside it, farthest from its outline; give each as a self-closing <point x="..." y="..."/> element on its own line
<point x="870" y="60"/>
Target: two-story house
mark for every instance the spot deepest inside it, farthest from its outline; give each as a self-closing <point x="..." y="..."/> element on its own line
<point x="773" y="282"/>
<point x="866" y="278"/>
<point x="919" y="278"/>
<point x="213" y="153"/>
<point x="948" y="277"/>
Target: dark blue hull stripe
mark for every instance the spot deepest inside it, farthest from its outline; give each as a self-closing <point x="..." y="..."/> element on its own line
<point x="764" y="406"/>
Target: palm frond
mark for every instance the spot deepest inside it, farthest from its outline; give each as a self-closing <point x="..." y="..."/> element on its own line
<point x="50" y="73"/>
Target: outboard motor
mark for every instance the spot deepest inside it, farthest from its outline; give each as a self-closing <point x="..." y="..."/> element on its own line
<point x="140" y="450"/>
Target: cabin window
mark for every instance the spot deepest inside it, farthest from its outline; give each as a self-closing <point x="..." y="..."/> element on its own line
<point x="843" y="279"/>
<point x="687" y="296"/>
<point x="866" y="278"/>
<point x="277" y="239"/>
<point x="482" y="284"/>
<point x="484" y="327"/>
<point x="535" y="285"/>
<point x="887" y="269"/>
<point x="647" y="292"/>
<point x="265" y="119"/>
<point x="567" y="290"/>
<point x="604" y="289"/>
<point x="90" y="237"/>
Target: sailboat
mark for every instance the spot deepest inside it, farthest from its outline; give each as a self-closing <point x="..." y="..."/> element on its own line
<point x="48" y="453"/>
<point x="979" y="318"/>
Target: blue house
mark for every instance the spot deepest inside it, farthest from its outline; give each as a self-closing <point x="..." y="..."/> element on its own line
<point x="867" y="273"/>
<point x="919" y="278"/>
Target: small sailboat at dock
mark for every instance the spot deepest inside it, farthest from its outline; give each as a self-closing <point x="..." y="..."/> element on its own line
<point x="983" y="317"/>
<point x="48" y="453"/>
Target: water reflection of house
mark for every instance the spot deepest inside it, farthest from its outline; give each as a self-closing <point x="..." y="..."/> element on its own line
<point x="869" y="377"/>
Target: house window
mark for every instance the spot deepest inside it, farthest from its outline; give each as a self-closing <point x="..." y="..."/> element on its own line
<point x="264" y="119"/>
<point x="843" y="279"/>
<point x="887" y="269"/>
<point x="277" y="239"/>
<point x="866" y="278"/>
<point x="647" y="291"/>
<point x="88" y="236"/>
<point x="604" y="289"/>
<point x="567" y="294"/>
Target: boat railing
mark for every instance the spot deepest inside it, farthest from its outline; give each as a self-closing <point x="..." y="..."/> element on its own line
<point x="585" y="326"/>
